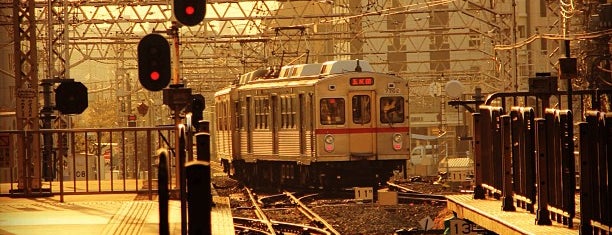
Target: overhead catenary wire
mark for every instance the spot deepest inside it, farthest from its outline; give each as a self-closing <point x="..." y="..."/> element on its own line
<point x="582" y="36"/>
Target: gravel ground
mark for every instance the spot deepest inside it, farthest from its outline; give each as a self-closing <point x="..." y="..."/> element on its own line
<point x="349" y="217"/>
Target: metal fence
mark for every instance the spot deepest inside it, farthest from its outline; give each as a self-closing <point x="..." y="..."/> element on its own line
<point x="525" y="156"/>
<point x="84" y="161"/>
<point x="595" y="173"/>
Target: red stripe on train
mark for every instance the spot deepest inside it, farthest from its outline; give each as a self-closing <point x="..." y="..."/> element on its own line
<point x="360" y="130"/>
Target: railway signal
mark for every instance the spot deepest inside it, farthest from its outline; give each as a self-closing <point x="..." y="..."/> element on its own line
<point x="189" y="12"/>
<point x="154" y="62"/>
<point x="71" y="97"/>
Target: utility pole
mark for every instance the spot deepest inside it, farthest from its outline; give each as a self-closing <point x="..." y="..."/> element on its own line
<point x="26" y="86"/>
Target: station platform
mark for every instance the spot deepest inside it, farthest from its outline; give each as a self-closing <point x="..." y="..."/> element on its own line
<point x="99" y="214"/>
<point x="488" y="214"/>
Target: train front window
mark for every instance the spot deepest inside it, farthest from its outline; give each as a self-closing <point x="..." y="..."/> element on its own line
<point x="332" y="111"/>
<point x="361" y="109"/>
<point x="392" y="109"/>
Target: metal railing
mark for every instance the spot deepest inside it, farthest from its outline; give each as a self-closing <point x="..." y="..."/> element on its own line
<point x="86" y="161"/>
<point x="595" y="173"/>
<point x="523" y="153"/>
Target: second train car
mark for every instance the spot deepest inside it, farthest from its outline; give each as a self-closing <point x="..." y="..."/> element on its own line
<point x="333" y="124"/>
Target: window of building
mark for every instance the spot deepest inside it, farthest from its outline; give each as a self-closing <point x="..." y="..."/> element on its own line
<point x="543" y="6"/>
<point x="544" y="46"/>
<point x="521" y="31"/>
<point x="474" y="40"/>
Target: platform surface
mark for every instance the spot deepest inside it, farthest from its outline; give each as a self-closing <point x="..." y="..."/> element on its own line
<point x="488" y="214"/>
<point x="99" y="214"/>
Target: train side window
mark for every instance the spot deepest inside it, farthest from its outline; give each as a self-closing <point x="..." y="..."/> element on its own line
<point x="258" y="113"/>
<point x="266" y="112"/>
<point x="283" y="112"/>
<point x="292" y="111"/>
<point x="262" y="112"/>
<point x="332" y="111"/>
<point x="288" y="112"/>
<point x="238" y="115"/>
<point x="392" y="109"/>
<point x="217" y="108"/>
<point x="361" y="109"/>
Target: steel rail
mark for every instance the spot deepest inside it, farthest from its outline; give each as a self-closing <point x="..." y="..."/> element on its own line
<point x="260" y="214"/>
<point x="258" y="226"/>
<point x="311" y="214"/>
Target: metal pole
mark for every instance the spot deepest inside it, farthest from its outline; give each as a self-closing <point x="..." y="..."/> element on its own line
<point x="568" y="77"/>
<point x="46" y="116"/>
<point x="181" y="156"/>
<point x="175" y="81"/>
<point x="162" y="176"/>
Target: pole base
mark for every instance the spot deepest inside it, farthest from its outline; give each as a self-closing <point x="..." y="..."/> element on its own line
<point x="37" y="192"/>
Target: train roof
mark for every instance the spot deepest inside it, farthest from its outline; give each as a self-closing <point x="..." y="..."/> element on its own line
<point x="225" y="90"/>
<point x="343" y="66"/>
<point x="300" y="70"/>
<point x="297" y="75"/>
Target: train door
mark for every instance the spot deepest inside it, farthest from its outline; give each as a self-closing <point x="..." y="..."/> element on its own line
<point x="361" y="125"/>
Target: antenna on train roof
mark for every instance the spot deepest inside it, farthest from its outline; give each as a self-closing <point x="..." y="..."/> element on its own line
<point x="357" y="68"/>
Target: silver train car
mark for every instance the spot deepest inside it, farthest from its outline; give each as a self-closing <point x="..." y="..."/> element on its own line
<point x="333" y="124"/>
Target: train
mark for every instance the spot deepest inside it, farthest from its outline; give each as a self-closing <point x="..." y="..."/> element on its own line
<point x="327" y="125"/>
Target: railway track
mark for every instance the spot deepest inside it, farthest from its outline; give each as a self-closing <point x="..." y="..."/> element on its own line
<point x="406" y="195"/>
<point x="314" y="217"/>
<point x="264" y="225"/>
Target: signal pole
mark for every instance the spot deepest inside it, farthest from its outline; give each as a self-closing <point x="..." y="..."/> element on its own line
<point x="177" y="96"/>
<point x="175" y="89"/>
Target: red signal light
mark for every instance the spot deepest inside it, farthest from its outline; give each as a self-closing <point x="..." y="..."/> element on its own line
<point x="154" y="68"/>
<point x="189" y="10"/>
<point x="154" y="75"/>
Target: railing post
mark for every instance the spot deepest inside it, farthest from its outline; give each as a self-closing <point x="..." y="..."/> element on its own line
<point x="496" y="157"/>
<point x="568" y="166"/>
<point x="554" y="166"/>
<point x="203" y="148"/>
<point x="506" y="142"/>
<point x="587" y="159"/>
<point x="199" y="193"/>
<point x="518" y="153"/>
<point x="198" y="197"/>
<point x="485" y="146"/>
<point x="529" y="157"/>
<point x="607" y="140"/>
<point x="182" y="157"/>
<point x="163" y="194"/>
<point x="478" y="167"/>
<point x="542" y="214"/>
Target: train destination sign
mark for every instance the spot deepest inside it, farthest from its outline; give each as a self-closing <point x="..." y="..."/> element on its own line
<point x="367" y="81"/>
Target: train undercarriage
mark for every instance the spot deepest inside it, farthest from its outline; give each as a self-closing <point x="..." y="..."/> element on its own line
<point x="322" y="175"/>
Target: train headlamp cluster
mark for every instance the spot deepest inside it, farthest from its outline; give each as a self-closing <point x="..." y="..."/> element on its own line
<point x="329" y="143"/>
<point x="397" y="141"/>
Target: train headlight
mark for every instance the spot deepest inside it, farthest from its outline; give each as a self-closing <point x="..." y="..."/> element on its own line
<point x="329" y="139"/>
<point x="397" y="141"/>
<point x="329" y="143"/>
